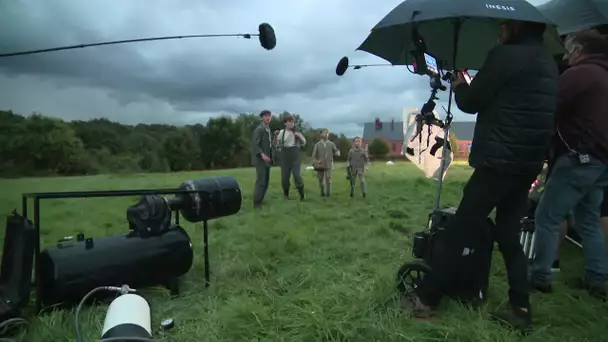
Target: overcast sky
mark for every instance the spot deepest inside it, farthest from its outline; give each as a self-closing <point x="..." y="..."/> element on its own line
<point x="188" y="81"/>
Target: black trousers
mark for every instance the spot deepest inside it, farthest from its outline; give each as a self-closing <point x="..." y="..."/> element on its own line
<point x="486" y="189"/>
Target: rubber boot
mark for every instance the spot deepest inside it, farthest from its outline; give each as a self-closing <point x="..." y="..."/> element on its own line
<point x="301" y="192"/>
<point x="286" y="193"/>
<point x="322" y="190"/>
<point x="352" y="191"/>
<point x="363" y="189"/>
<point x="328" y="193"/>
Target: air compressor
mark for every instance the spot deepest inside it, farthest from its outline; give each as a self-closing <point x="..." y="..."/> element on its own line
<point x="69" y="271"/>
<point x="153" y="252"/>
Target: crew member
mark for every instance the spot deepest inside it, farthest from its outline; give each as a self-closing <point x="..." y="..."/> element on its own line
<point x="515" y="95"/>
<point x="579" y="173"/>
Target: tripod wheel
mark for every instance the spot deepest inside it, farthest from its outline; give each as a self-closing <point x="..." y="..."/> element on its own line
<point x="411" y="274"/>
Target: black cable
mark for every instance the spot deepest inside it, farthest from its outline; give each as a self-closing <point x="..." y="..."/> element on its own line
<point x="130" y="339"/>
<point x="79" y="307"/>
<point x="10" y="322"/>
<point x="79" y="46"/>
<point x="123" y="290"/>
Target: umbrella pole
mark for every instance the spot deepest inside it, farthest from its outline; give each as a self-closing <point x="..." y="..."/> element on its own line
<point x="447" y="123"/>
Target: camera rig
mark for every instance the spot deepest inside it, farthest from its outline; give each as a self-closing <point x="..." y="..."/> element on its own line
<point x="427" y="116"/>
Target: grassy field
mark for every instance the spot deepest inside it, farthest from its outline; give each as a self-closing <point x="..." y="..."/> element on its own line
<point x="321" y="270"/>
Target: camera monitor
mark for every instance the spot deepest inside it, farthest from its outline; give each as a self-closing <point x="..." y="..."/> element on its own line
<point x="431" y="63"/>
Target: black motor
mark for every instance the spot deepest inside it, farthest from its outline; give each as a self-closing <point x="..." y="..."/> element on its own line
<point x="151" y="215"/>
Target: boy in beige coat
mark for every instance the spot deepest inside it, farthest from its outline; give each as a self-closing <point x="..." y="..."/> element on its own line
<point x="358" y="162"/>
<point x="323" y="156"/>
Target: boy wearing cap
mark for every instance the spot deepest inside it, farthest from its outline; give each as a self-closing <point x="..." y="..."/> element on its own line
<point x="358" y="162"/>
<point x="323" y="155"/>
<point x="261" y="157"/>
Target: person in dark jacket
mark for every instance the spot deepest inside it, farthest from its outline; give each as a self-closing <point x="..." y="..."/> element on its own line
<point x="261" y="157"/>
<point x="514" y="94"/>
<point x="580" y="168"/>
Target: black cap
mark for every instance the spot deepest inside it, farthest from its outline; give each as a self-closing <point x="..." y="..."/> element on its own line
<point x="265" y="112"/>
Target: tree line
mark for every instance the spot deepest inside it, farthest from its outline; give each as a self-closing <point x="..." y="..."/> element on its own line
<point x="38" y="145"/>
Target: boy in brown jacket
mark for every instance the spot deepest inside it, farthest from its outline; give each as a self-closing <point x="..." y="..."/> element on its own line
<point x="357" y="162"/>
<point x="323" y="155"/>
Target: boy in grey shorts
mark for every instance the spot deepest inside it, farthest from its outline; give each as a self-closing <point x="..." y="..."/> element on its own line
<point x="358" y="162"/>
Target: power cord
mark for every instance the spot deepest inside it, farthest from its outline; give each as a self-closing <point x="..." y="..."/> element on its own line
<point x="121" y="339"/>
<point x="4" y="326"/>
<point x="122" y="290"/>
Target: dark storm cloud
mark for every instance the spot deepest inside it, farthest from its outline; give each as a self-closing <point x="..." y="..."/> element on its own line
<point x="176" y="71"/>
<point x="187" y="81"/>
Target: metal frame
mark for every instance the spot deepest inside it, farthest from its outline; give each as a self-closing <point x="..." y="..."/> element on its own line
<point x="527" y="238"/>
<point x="38" y="196"/>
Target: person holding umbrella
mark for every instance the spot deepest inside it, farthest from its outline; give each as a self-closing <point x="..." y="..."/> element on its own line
<point x="514" y="94"/>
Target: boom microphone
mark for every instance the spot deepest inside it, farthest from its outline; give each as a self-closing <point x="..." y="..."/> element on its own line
<point x="266" y="34"/>
<point x="268" y="39"/>
<point x="343" y="66"/>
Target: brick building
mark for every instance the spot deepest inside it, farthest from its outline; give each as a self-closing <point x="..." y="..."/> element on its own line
<point x="391" y="132"/>
<point x="463" y="130"/>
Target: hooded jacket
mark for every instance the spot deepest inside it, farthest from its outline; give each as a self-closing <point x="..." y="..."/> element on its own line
<point x="582" y="112"/>
<point x="515" y="96"/>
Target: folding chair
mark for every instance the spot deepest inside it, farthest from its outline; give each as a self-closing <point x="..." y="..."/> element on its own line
<point x="527" y="237"/>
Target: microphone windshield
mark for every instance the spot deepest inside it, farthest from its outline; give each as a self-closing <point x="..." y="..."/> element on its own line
<point x="268" y="40"/>
<point x="342" y="66"/>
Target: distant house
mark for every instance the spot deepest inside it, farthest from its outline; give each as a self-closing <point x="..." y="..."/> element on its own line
<point x="391" y="132"/>
<point x="463" y="130"/>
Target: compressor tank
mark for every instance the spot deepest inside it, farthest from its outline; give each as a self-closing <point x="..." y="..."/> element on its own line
<point x="215" y="197"/>
<point x="69" y="271"/>
<point x="127" y="316"/>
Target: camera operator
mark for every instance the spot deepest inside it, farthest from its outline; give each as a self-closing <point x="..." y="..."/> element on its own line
<point x="579" y="173"/>
<point x="514" y="95"/>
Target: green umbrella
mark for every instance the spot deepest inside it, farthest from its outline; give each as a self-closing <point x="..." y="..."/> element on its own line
<point x="576" y="15"/>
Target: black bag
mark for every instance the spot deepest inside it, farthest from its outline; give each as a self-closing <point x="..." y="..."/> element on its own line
<point x="17" y="265"/>
<point x="470" y="283"/>
<point x="151" y="215"/>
